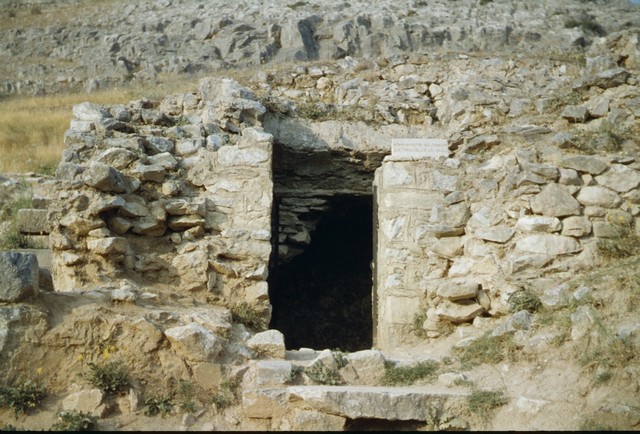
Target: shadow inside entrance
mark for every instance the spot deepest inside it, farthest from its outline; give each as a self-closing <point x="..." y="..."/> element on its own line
<point x="322" y="298"/>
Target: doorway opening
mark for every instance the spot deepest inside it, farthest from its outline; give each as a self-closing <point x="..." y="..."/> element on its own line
<point x="322" y="297"/>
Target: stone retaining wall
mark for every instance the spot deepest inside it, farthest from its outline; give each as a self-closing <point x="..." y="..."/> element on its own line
<point x="458" y="236"/>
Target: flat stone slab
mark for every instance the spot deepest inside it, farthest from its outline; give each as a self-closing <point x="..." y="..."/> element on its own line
<point x="416" y="149"/>
<point x="390" y="403"/>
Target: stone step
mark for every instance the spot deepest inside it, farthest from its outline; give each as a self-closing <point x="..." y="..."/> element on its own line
<point x="391" y="403"/>
<point x="415" y="403"/>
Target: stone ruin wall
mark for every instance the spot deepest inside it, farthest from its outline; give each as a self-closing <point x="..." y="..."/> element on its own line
<point x="457" y="237"/>
<point x="177" y="193"/>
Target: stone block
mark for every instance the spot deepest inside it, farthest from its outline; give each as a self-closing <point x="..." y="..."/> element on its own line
<point x="108" y="246"/>
<point x="554" y="200"/>
<point x="33" y="221"/>
<point x="311" y="420"/>
<point x="104" y="178"/>
<point x="576" y="226"/>
<point x="575" y="114"/>
<point x="536" y="223"/>
<point x="619" y="178"/>
<point x="194" y="342"/>
<point x="86" y="401"/>
<point x="458" y="312"/>
<point x="598" y="196"/>
<point x="548" y="244"/>
<point x="269" y="344"/>
<point x="585" y="164"/>
<point x="369" y="367"/>
<point x="20" y="276"/>
<point x="454" y="291"/>
<point x="497" y="234"/>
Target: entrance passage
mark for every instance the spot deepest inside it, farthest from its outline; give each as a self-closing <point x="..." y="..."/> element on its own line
<point x="322" y="298"/>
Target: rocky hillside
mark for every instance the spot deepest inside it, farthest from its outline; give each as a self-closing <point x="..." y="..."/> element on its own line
<point x="53" y="46"/>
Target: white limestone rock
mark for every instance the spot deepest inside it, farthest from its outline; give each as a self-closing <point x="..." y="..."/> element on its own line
<point x="20" y="276"/>
<point x="193" y="342"/>
<point x="269" y="344"/>
<point x="548" y="244"/>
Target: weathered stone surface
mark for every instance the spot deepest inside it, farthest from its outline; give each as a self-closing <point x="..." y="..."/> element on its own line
<point x="548" y="244"/>
<point x="557" y="296"/>
<point x="264" y="403"/>
<point x="536" y="223"/>
<point x="20" y="276"/>
<point x="576" y="226"/>
<point x="555" y="200"/>
<point x="104" y="177"/>
<point x="598" y="196"/>
<point x="310" y="420"/>
<point x="520" y="320"/>
<point x="149" y="172"/>
<point x="497" y="234"/>
<point x="86" y="401"/>
<point x="576" y="114"/>
<point x="108" y="246"/>
<point x="458" y="312"/>
<point x="368" y="365"/>
<point x="194" y="342"/>
<point x="458" y="291"/>
<point x="208" y="375"/>
<point x="267" y="373"/>
<point x="89" y="112"/>
<point x="585" y="164"/>
<point x="619" y="178"/>
<point x="393" y="403"/>
<point x="158" y="145"/>
<point x="118" y="158"/>
<point x="180" y="223"/>
<point x="269" y="344"/>
<point x="582" y="321"/>
<point x="33" y="221"/>
<point x="192" y="267"/>
<point x="448" y="247"/>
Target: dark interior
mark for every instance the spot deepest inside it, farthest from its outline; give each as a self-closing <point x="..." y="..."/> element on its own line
<point x="322" y="298"/>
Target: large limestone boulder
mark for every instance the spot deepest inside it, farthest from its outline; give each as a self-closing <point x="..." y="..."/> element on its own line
<point x="548" y="244"/>
<point x="555" y="201"/>
<point x="86" y="401"/>
<point x="20" y="276"/>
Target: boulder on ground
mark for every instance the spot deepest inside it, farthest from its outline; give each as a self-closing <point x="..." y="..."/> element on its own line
<point x="20" y="276"/>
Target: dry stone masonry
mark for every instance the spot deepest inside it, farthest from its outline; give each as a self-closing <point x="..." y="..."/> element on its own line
<point x="177" y="194"/>
<point x="458" y="236"/>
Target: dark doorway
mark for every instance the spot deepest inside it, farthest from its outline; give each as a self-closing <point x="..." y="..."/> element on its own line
<point x="322" y="298"/>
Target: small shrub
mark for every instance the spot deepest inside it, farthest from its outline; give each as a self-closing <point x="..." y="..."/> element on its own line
<point x="297" y="5"/>
<point x="109" y="376"/>
<point x="418" y="320"/>
<point x="340" y="357"/>
<point x="296" y="372"/>
<point x="606" y="138"/>
<point x="405" y="375"/>
<point x="588" y="24"/>
<point x="23" y="397"/>
<point x="226" y="394"/>
<point x="246" y="314"/>
<point x="524" y="300"/>
<point x="322" y="374"/>
<point x="483" y="402"/>
<point x="186" y="392"/>
<point x="73" y="420"/>
<point x="158" y="405"/>
<point x="36" y="10"/>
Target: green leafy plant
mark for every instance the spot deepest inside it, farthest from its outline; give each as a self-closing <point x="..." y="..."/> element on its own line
<point x="340" y="357"/>
<point x="23" y="397"/>
<point x="524" y="300"/>
<point x="320" y="373"/>
<point x="483" y="402"/>
<point x="11" y="238"/>
<point x="405" y="375"/>
<point x="246" y="314"/>
<point x="109" y="376"/>
<point x="296" y="372"/>
<point x="587" y="23"/>
<point x="158" y="405"/>
<point x="73" y="420"/>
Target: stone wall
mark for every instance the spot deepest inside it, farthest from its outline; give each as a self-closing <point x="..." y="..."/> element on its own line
<point x="177" y="192"/>
<point x="458" y="236"/>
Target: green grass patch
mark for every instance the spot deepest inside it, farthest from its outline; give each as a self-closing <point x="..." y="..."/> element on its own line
<point x="405" y="375"/>
<point x="487" y="349"/>
<point x="73" y="420"/>
<point x="483" y="402"/>
<point x="524" y="300"/>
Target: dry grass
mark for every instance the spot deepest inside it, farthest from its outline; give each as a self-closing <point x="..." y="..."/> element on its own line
<point x="32" y="128"/>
